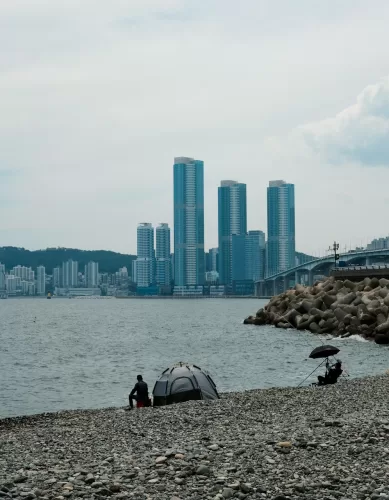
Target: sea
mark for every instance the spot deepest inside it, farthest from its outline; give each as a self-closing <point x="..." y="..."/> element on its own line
<point x="86" y="353"/>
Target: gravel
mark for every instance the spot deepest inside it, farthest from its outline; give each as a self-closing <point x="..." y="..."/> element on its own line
<point x="329" y="443"/>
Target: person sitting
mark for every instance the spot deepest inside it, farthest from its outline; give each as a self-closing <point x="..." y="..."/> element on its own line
<point x="332" y="374"/>
<point x="142" y="394"/>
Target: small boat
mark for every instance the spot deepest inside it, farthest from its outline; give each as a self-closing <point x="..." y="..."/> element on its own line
<point x="49" y="295"/>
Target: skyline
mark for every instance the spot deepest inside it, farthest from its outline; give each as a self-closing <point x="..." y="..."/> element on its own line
<point x="93" y="114"/>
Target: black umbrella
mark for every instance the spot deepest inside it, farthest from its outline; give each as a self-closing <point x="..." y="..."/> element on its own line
<point x="324" y="351"/>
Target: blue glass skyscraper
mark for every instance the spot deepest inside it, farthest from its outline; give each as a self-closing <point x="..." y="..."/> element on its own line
<point x="232" y="213"/>
<point x="189" y="258"/>
<point x="280" y="227"/>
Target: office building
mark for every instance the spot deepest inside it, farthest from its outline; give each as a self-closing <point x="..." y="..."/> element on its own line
<point x="189" y="259"/>
<point x="232" y="218"/>
<point x="41" y="280"/>
<point x="280" y="227"/>
<point x="145" y="255"/>
<point x="70" y="274"/>
<point x="91" y="275"/>
<point x="162" y="255"/>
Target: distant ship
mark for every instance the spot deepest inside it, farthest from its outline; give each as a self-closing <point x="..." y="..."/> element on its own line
<point x="49" y="295"/>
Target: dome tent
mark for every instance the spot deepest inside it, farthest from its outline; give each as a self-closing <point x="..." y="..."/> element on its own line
<point x="183" y="382"/>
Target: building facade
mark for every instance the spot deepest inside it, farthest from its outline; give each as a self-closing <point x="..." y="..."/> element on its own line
<point x="280" y="227"/>
<point x="189" y="259"/>
<point x="145" y="276"/>
<point x="56" y="277"/>
<point x="92" y="275"/>
<point x="70" y="274"/>
<point x="255" y="255"/>
<point x="232" y="220"/>
<point x="2" y="277"/>
<point x="162" y="255"/>
<point x="41" y="280"/>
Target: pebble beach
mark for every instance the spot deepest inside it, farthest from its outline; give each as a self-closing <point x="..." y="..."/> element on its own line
<point x="329" y="443"/>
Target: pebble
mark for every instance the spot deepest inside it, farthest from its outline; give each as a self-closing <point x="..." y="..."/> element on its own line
<point x="258" y="445"/>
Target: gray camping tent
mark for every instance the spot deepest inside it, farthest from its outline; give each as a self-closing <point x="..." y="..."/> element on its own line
<point x="183" y="382"/>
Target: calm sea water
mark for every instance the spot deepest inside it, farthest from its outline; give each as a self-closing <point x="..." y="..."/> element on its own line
<point x="66" y="354"/>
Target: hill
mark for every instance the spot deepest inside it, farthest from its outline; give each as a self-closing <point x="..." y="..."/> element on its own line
<point x="109" y="262"/>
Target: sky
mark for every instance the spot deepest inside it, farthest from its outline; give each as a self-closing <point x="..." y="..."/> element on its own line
<point x="97" y="98"/>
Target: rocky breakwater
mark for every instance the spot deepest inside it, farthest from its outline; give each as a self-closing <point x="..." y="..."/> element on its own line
<point x="275" y="444"/>
<point x="332" y="306"/>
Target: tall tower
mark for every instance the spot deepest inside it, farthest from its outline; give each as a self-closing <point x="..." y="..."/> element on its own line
<point x="280" y="227"/>
<point x="189" y="259"/>
<point x="162" y="255"/>
<point x="145" y="255"/>
<point x="2" y="276"/>
<point x="41" y="280"/>
<point x="92" y="274"/>
<point x="70" y="274"/>
<point x="232" y="214"/>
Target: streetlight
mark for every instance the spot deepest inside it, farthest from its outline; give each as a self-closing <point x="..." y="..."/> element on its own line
<point x="335" y="247"/>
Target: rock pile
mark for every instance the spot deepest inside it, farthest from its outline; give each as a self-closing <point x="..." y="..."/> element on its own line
<point x="332" y="306"/>
<point x="275" y="444"/>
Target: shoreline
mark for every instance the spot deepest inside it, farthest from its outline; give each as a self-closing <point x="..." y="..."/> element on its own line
<point x="276" y="443"/>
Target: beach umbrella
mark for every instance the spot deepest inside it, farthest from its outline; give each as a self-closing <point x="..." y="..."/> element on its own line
<point x="324" y="351"/>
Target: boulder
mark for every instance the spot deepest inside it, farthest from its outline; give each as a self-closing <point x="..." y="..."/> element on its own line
<point x="384" y="283"/>
<point x="339" y="314"/>
<point x="374" y="282"/>
<point x="350" y="285"/>
<point x="348" y="298"/>
<point x="328" y="299"/>
<point x="383" y="327"/>
<point x="381" y="338"/>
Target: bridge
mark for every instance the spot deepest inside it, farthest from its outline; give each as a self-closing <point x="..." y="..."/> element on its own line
<point x="309" y="272"/>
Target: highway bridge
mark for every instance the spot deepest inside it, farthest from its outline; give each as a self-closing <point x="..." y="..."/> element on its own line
<point x="310" y="271"/>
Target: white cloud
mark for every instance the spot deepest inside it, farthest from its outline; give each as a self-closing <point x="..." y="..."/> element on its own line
<point x="358" y="134"/>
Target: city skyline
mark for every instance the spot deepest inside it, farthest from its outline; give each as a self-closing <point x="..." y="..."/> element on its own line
<point x="89" y="128"/>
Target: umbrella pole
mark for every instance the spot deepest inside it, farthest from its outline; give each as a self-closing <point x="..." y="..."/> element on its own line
<point x="312" y="372"/>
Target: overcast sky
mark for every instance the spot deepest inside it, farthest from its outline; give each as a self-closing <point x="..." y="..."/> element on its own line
<point x="97" y="97"/>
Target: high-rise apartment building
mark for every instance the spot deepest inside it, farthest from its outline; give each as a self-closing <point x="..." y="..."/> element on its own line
<point x="91" y="274"/>
<point x="280" y="227"/>
<point x="41" y="280"/>
<point x="255" y="255"/>
<point x="70" y="274"/>
<point x="232" y="215"/>
<point x="162" y="255"/>
<point x="2" y="276"/>
<point x="145" y="255"/>
<point x="56" y="277"/>
<point x="189" y="259"/>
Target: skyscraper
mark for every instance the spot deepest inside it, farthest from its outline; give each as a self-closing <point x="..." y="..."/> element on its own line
<point x="280" y="227"/>
<point x="189" y="260"/>
<point x="162" y="255"/>
<point x="232" y="212"/>
<point x="2" y="276"/>
<point x="145" y="255"/>
<point x="56" y="277"/>
<point x="92" y="275"/>
<point x="255" y="255"/>
<point x="70" y="274"/>
<point x="41" y="280"/>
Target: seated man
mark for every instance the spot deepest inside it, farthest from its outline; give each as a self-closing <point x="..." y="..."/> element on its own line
<point x="332" y="374"/>
<point x="142" y="393"/>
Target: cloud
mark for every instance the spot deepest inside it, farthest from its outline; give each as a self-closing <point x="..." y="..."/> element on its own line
<point x="358" y="134"/>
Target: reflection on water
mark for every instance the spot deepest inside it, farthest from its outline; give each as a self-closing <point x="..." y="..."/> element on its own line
<point x="87" y="353"/>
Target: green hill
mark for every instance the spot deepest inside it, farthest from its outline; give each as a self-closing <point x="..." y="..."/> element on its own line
<point x="109" y="262"/>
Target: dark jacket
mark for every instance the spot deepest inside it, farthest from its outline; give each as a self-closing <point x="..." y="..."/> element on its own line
<point x="142" y="391"/>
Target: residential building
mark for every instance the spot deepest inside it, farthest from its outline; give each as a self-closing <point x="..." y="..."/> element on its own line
<point x="145" y="255"/>
<point x="280" y="227"/>
<point x="189" y="259"/>
<point x="2" y="276"/>
<point x="41" y="280"/>
<point x="162" y="255"/>
<point x="10" y="284"/>
<point x="56" y="277"/>
<point x="70" y="274"/>
<point x="91" y="275"/>
<point x="255" y="255"/>
<point x="232" y="218"/>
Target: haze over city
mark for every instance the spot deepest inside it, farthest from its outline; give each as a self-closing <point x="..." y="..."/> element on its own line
<point x="98" y="98"/>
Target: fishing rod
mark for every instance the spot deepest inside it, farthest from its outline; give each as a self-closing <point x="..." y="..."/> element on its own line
<point x="326" y="359"/>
